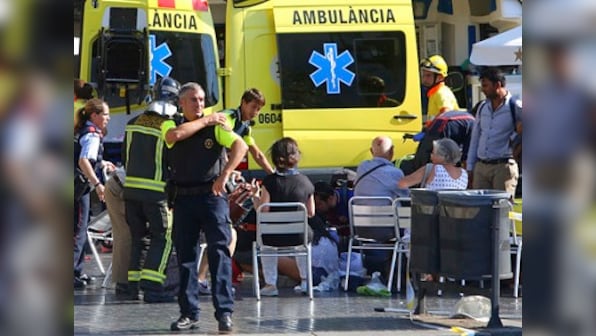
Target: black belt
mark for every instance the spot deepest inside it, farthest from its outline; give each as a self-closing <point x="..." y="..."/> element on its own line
<point x="194" y="190"/>
<point x="495" y="161"/>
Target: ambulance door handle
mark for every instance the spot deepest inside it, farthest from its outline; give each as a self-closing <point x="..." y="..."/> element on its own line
<point x="405" y="116"/>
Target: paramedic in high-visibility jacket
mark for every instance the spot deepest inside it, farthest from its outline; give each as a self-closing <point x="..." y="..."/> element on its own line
<point x="251" y="103"/>
<point x="433" y="71"/>
<point x="144" y="155"/>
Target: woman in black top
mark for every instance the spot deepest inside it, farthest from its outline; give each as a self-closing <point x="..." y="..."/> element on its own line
<point x="286" y="184"/>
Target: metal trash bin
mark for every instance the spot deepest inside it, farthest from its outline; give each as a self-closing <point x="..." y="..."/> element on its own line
<point x="424" y="241"/>
<point x="467" y="221"/>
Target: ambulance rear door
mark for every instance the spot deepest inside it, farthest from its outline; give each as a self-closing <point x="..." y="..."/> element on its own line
<point x="261" y="71"/>
<point x="347" y="74"/>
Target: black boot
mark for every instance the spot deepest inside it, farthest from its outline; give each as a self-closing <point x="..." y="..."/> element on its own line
<point x="131" y="292"/>
<point x="157" y="297"/>
<point x="225" y="324"/>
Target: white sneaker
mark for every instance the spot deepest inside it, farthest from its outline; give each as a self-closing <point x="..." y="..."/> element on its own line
<point x="269" y="290"/>
<point x="303" y="287"/>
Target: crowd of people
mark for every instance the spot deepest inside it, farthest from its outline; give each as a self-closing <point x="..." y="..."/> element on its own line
<point x="165" y="199"/>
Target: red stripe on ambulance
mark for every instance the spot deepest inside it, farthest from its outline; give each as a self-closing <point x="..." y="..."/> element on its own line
<point x="200" y="5"/>
<point x="166" y="3"/>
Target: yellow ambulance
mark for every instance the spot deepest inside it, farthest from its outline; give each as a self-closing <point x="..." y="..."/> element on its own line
<point x="126" y="45"/>
<point x="335" y="74"/>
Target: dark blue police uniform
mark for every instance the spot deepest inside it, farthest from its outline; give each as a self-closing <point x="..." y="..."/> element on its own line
<point x="195" y="163"/>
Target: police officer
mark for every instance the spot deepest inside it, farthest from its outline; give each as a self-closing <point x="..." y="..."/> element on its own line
<point x="440" y="97"/>
<point x="199" y="174"/>
<point x="90" y="121"/>
<point x="251" y="103"/>
<point x="144" y="157"/>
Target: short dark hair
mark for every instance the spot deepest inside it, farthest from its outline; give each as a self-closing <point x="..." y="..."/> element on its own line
<point x="494" y="75"/>
<point x="323" y="190"/>
<point x="253" y="94"/>
<point x="82" y="89"/>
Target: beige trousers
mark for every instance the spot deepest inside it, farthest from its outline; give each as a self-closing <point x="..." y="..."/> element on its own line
<point x="500" y="176"/>
<point x="121" y="233"/>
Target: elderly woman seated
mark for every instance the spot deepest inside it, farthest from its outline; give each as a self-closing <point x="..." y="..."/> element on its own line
<point x="444" y="174"/>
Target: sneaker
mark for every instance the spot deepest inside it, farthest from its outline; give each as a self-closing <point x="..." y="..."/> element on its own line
<point x="79" y="283"/>
<point x="184" y="323"/>
<point x="303" y="287"/>
<point x="88" y="279"/>
<point x="204" y="287"/>
<point x="269" y="290"/>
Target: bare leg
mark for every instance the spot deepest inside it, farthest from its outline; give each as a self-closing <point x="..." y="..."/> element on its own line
<point x="204" y="267"/>
<point x="287" y="266"/>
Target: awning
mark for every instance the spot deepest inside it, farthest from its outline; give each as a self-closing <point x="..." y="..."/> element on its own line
<point x="502" y="49"/>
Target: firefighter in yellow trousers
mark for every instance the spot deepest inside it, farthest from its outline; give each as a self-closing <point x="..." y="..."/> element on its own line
<point x="144" y="157"/>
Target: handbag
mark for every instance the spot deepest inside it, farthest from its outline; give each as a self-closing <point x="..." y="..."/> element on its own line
<point x="427" y="169"/>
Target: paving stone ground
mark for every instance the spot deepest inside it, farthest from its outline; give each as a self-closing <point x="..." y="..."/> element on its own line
<point x="98" y="312"/>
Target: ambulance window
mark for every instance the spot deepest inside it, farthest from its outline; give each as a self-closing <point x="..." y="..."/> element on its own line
<point x="373" y="74"/>
<point x="117" y="66"/>
<point x="192" y="60"/>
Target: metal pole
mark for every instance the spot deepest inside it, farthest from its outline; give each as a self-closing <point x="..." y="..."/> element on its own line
<point x="495" y="320"/>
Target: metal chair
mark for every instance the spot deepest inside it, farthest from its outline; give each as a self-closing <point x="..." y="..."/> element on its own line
<point x="373" y="226"/>
<point x="516" y="242"/>
<point x="279" y="220"/>
<point x="99" y="229"/>
<point x="403" y="210"/>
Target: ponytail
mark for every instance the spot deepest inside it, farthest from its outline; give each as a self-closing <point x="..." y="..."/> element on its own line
<point x="79" y="119"/>
<point x="92" y="106"/>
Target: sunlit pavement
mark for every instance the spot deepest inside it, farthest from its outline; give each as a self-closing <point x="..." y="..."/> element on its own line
<point x="98" y="312"/>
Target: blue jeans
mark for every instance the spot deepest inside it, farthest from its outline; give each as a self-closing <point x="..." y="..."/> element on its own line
<point x="81" y="222"/>
<point x="210" y="214"/>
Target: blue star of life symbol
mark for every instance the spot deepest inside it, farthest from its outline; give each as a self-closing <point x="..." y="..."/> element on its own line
<point x="157" y="56"/>
<point x="331" y="68"/>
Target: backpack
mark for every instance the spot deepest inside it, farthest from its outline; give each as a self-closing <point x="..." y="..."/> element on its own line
<point x="516" y="143"/>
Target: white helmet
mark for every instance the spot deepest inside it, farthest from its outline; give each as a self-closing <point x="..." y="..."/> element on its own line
<point x="163" y="108"/>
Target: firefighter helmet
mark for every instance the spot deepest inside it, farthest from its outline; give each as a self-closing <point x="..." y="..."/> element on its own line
<point x="166" y="89"/>
<point x="435" y="64"/>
